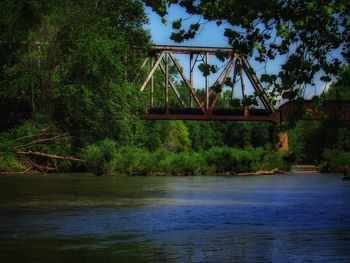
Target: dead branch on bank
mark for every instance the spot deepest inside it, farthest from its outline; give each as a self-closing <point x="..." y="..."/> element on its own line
<point x="52" y="156"/>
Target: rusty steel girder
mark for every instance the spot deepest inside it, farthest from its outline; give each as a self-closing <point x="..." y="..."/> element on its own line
<point x="162" y="56"/>
<point x="310" y="110"/>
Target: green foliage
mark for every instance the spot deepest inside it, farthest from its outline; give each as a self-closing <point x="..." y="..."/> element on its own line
<point x="233" y="160"/>
<point x="309" y="139"/>
<point x="104" y="158"/>
<point x="135" y="161"/>
<point x="235" y="103"/>
<point x="185" y="163"/>
<point x="339" y="90"/>
<point x="72" y="62"/>
<point x="37" y="138"/>
<point x="9" y="162"/>
<point x="250" y="101"/>
<point x="177" y="24"/>
<point x="177" y="137"/>
<point x="207" y="69"/>
<point x="335" y="160"/>
<point x="100" y="158"/>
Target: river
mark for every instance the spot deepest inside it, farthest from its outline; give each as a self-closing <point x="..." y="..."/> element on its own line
<point x="82" y="218"/>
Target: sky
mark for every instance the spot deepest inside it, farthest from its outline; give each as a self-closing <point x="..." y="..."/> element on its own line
<point x="209" y="36"/>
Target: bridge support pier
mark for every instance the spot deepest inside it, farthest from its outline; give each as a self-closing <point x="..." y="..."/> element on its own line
<point x="282" y="145"/>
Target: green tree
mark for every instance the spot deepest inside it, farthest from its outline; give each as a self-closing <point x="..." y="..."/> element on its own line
<point x="73" y="62"/>
<point x="340" y="89"/>
<point x="177" y="137"/>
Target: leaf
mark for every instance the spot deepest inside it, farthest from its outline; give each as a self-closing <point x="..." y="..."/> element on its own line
<point x="229" y="82"/>
<point x="216" y="87"/>
<point x="205" y="69"/>
<point x="221" y="56"/>
<point x="326" y="78"/>
<point x="177" y="37"/>
<point x="289" y="95"/>
<point x="213" y="69"/>
<point x="235" y="103"/>
<point x="194" y="27"/>
<point x="177" y="24"/>
<point x="164" y="21"/>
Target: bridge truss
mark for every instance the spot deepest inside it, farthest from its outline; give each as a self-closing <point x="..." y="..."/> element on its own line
<point x="202" y="104"/>
<point x="205" y="107"/>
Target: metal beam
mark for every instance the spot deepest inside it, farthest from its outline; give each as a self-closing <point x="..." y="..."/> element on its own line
<point x="222" y="84"/>
<point x="193" y="49"/>
<point x="166" y="91"/>
<point x="152" y="86"/>
<point x="179" y="68"/>
<point x="212" y="117"/>
<point x="245" y="108"/>
<point x="234" y="80"/>
<point x="172" y="85"/>
<point x="257" y="85"/>
<point x="207" y="95"/>
<point x="152" y="71"/>
<point x="191" y="79"/>
<point x="217" y="80"/>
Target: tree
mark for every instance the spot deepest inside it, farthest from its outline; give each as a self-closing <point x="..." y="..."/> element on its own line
<point x="310" y="140"/>
<point x="339" y="90"/>
<point x="72" y="62"/>
<point x="310" y="34"/>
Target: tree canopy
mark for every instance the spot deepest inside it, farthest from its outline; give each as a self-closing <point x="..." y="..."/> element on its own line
<point x="72" y="62"/>
<point x="314" y="36"/>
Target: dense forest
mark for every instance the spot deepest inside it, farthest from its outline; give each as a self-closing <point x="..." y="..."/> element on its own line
<point x="67" y="89"/>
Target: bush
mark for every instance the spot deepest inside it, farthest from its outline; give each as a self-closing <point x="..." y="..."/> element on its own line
<point x="271" y="160"/>
<point x="9" y="162"/>
<point x="185" y="163"/>
<point x="335" y="160"/>
<point x="30" y="137"/>
<point x="104" y="158"/>
<point x="226" y="159"/>
<point x="135" y="161"/>
<point x="100" y="158"/>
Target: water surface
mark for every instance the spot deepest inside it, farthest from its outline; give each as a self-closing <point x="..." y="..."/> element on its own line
<point x="81" y="218"/>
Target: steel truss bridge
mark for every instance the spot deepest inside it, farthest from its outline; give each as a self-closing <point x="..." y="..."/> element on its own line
<point x="206" y="107"/>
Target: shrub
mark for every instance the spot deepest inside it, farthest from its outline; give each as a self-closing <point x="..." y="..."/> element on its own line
<point x="222" y="158"/>
<point x="100" y="158"/>
<point x="233" y="160"/>
<point x="135" y="161"/>
<point x="271" y="160"/>
<point x="104" y="158"/>
<point x="9" y="162"/>
<point x="335" y="160"/>
<point x="183" y="163"/>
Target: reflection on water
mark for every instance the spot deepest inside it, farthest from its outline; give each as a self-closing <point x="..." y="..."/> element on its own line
<point x="79" y="218"/>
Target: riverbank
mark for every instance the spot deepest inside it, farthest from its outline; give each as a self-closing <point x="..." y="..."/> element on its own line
<point x="20" y="155"/>
<point x="106" y="158"/>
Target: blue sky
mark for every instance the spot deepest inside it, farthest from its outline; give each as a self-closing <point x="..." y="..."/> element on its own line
<point x="210" y="35"/>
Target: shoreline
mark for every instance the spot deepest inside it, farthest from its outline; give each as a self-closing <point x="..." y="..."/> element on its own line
<point x="160" y="174"/>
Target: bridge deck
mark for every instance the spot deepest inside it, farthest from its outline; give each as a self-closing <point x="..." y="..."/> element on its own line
<point x="299" y="110"/>
<point x="309" y="110"/>
<point x="216" y="115"/>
